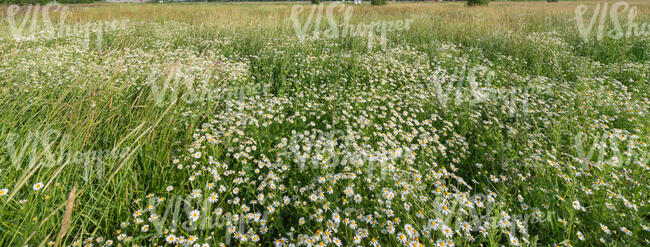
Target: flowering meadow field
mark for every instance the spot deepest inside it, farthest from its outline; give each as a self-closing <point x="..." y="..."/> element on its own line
<point x="291" y="124"/>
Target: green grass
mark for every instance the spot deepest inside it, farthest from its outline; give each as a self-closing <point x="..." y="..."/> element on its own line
<point x="130" y="95"/>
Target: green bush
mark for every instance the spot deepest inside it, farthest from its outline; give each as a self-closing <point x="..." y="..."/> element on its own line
<point x="315" y="1"/>
<point x="477" y="2"/>
<point x="552" y="1"/>
<point x="377" y="2"/>
<point x="25" y="2"/>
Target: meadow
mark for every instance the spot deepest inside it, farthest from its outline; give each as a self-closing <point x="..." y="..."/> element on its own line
<point x="287" y="124"/>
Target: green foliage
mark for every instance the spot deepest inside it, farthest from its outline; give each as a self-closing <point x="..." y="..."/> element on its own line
<point x="477" y="2"/>
<point x="315" y="1"/>
<point x="26" y="2"/>
<point x="378" y="2"/>
<point x="553" y="1"/>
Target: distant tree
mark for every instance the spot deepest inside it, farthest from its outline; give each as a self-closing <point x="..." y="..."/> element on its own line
<point x="315" y="1"/>
<point x="377" y="2"/>
<point x="553" y="1"/>
<point x="477" y="2"/>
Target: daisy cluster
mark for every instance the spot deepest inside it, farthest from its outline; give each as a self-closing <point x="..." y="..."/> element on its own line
<point x="274" y="157"/>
